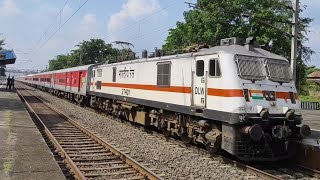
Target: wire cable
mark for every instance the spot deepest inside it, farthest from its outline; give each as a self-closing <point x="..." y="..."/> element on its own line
<point x="63" y="24"/>
<point x="146" y="34"/>
<point x="49" y="26"/>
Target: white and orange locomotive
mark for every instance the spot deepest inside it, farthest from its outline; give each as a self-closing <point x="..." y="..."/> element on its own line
<point x="238" y="98"/>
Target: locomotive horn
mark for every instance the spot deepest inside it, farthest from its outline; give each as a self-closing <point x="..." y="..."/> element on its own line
<point x="255" y="131"/>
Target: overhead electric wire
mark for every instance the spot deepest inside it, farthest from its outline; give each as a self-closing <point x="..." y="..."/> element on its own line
<point x="147" y="17"/>
<point x="61" y="27"/>
<point x="63" y="24"/>
<point x="50" y="25"/>
<point x="156" y="30"/>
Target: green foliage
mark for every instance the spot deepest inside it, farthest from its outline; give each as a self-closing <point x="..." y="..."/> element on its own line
<point x="213" y="20"/>
<point x="93" y="51"/>
<point x="311" y="69"/>
<point x="309" y="98"/>
<point x="310" y="90"/>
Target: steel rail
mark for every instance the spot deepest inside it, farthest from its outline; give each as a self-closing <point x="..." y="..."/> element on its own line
<point x="307" y="170"/>
<point x="74" y="169"/>
<point x="78" y="174"/>
<point x="252" y="170"/>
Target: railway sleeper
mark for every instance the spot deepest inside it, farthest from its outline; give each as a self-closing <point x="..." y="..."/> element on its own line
<point x="105" y="168"/>
<point x="90" y="155"/>
<point x="111" y="174"/>
<point x="97" y="160"/>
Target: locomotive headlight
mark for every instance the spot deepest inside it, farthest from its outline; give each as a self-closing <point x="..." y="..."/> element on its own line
<point x="269" y="95"/>
<point x="272" y="95"/>
<point x="266" y="95"/>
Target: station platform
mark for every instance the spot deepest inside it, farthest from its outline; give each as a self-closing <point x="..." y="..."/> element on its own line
<point x="311" y="118"/>
<point x="23" y="152"/>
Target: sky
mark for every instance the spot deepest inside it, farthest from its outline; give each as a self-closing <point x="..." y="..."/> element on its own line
<point x="35" y="29"/>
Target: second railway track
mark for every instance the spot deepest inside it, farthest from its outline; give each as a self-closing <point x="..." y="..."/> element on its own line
<point x="85" y="154"/>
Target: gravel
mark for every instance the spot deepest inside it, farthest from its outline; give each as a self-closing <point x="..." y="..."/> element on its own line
<point x="172" y="160"/>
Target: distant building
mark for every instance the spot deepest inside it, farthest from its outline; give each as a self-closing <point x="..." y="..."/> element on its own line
<point x="315" y="76"/>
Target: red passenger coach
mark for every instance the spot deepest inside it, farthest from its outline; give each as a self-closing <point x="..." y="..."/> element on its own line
<point x="72" y="83"/>
<point x="72" y="80"/>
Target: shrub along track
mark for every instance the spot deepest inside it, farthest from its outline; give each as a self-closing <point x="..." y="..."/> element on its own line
<point x="267" y="172"/>
<point x="86" y="154"/>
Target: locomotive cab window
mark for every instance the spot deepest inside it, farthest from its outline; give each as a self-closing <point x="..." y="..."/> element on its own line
<point x="214" y="68"/>
<point x="200" y="68"/>
<point x="163" y="74"/>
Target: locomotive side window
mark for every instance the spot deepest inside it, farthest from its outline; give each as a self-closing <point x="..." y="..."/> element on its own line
<point x="99" y="72"/>
<point x="163" y="74"/>
<point x="200" y="68"/>
<point x="114" y="74"/>
<point x="214" y="68"/>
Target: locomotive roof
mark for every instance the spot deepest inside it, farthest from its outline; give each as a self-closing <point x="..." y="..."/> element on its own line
<point x="241" y="50"/>
<point x="232" y="49"/>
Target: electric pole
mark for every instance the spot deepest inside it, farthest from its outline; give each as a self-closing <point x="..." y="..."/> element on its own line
<point x="294" y="48"/>
<point x="80" y="58"/>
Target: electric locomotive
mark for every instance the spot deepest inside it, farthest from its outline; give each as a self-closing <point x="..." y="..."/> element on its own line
<point x="235" y="97"/>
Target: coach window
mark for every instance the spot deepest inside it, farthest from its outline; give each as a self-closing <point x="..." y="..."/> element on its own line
<point x="114" y="74"/>
<point x="99" y="72"/>
<point x="200" y="68"/>
<point x="163" y="74"/>
<point x="214" y="68"/>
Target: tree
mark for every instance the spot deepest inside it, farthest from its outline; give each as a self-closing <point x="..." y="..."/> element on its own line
<point x="93" y="51"/>
<point x="213" y="20"/>
<point x="87" y="52"/>
<point x="61" y="61"/>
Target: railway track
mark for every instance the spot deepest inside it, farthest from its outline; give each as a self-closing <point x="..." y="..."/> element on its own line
<point x="275" y="172"/>
<point x="85" y="154"/>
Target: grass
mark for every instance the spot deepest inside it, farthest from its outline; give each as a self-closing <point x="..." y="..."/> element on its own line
<point x="309" y="98"/>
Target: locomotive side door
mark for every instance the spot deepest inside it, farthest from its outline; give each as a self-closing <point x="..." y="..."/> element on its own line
<point x="80" y="81"/>
<point x="199" y="78"/>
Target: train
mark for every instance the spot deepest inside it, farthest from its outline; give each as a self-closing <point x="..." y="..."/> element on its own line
<point x="236" y="97"/>
<point x="7" y="57"/>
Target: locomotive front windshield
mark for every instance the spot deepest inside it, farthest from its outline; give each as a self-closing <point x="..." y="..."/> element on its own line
<point x="250" y="67"/>
<point x="278" y="70"/>
<point x="256" y="68"/>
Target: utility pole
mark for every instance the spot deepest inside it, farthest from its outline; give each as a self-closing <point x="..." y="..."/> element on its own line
<point x="80" y="57"/>
<point x="294" y="48"/>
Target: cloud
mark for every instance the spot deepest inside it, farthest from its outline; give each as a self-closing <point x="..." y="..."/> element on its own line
<point x="89" y="20"/>
<point x="9" y="8"/>
<point x="87" y="28"/>
<point x="131" y="10"/>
